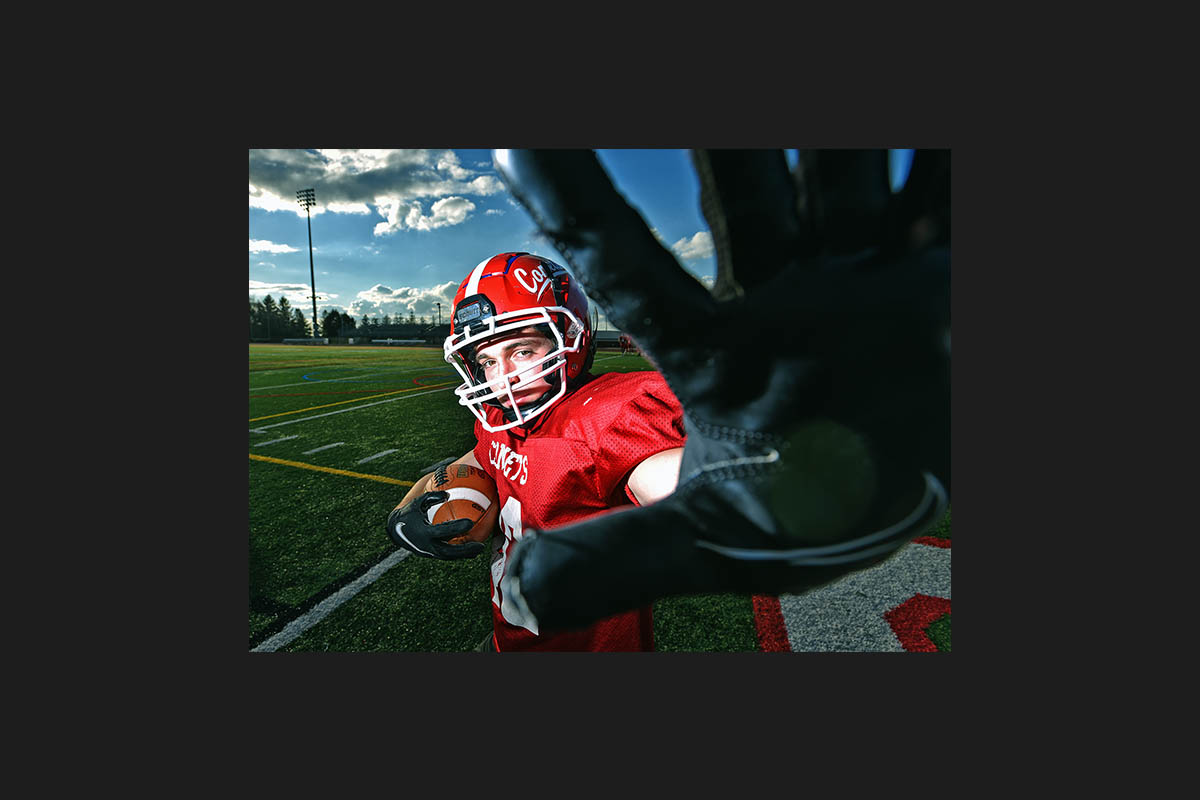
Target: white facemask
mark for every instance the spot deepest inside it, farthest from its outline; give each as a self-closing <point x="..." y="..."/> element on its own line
<point x="473" y="393"/>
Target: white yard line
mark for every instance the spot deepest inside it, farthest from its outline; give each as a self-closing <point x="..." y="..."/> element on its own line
<point x="323" y="447"/>
<point x="329" y="604"/>
<point x="349" y="377"/>
<point x="273" y="441"/>
<point x="377" y="455"/>
<point x="263" y="428"/>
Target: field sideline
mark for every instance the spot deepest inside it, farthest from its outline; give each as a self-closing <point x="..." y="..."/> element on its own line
<point x="336" y="437"/>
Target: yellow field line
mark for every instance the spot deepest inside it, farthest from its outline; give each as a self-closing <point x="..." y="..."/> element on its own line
<point x="347" y="473"/>
<point x="343" y="402"/>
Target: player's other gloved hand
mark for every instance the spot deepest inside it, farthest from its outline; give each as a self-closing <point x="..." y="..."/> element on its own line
<point x="814" y="377"/>
<point x="408" y="526"/>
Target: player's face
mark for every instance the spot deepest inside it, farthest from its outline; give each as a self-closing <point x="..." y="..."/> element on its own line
<point x="523" y="349"/>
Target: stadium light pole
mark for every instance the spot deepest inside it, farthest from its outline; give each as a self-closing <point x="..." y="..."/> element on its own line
<point x="439" y="305"/>
<point x="308" y="199"/>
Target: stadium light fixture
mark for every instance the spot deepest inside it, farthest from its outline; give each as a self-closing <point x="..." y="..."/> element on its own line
<point x="308" y="199"/>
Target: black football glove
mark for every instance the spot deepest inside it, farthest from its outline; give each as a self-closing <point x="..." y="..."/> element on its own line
<point x="814" y="377"/>
<point x="408" y="526"/>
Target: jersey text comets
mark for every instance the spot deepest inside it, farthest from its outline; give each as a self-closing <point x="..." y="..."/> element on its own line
<point x="509" y="462"/>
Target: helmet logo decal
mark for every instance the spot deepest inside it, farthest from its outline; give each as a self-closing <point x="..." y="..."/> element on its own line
<point x="537" y="277"/>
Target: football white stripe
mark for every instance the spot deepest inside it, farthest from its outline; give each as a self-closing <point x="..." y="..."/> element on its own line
<point x="474" y="495"/>
<point x="461" y="493"/>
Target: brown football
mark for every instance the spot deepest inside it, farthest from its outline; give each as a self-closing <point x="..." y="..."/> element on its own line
<point x="472" y="496"/>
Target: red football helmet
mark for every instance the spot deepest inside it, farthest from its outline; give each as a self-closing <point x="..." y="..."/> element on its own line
<point x="506" y="293"/>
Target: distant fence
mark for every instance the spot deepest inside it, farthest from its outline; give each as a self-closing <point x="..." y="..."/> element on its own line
<point x="306" y="341"/>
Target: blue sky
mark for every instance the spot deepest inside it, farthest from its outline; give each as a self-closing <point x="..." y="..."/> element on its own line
<point x="395" y="231"/>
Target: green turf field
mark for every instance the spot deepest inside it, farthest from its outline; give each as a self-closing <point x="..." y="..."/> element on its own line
<point x="337" y="436"/>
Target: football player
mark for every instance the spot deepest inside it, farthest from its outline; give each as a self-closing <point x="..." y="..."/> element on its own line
<point x="563" y="445"/>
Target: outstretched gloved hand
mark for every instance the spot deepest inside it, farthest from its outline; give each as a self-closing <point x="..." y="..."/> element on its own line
<point x="814" y="377"/>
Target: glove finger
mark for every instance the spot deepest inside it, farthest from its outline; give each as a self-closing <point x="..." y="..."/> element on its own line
<point x="448" y="530"/>
<point x="621" y="264"/>
<point x="431" y="499"/>
<point x="844" y="195"/>
<point x="749" y="200"/>
<point x="452" y="552"/>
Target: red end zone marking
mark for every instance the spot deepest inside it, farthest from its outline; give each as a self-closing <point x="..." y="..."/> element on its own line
<point x="910" y="619"/>
<point x="420" y="378"/>
<point x="769" y="625"/>
<point x="933" y="541"/>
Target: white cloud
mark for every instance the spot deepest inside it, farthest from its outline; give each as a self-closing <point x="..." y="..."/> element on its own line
<point x="444" y="212"/>
<point x="448" y="162"/>
<point x="381" y="299"/>
<point x="493" y="211"/>
<point x="354" y="162"/>
<point x="486" y="185"/>
<point x="349" y="208"/>
<point x="392" y="182"/>
<point x="270" y="201"/>
<point x="263" y="246"/>
<point x="695" y="248"/>
<point x="699" y="246"/>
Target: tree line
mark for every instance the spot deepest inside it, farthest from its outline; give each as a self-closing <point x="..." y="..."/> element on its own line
<point x="274" y="320"/>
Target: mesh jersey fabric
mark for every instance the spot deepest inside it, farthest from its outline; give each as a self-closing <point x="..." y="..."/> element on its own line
<point x="573" y="462"/>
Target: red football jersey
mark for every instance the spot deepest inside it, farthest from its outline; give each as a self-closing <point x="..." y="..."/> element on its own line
<point x="572" y="462"/>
